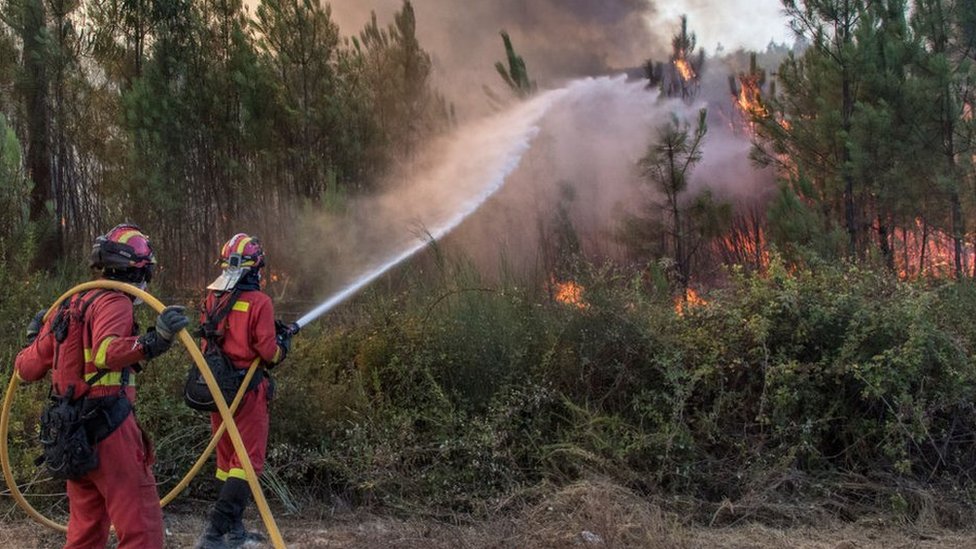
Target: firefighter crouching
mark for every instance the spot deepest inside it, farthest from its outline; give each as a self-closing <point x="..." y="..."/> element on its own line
<point x="239" y="319"/>
<point x="89" y="433"/>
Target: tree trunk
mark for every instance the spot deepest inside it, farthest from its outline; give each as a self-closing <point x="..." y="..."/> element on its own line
<point x="886" y="252"/>
<point x="38" y="158"/>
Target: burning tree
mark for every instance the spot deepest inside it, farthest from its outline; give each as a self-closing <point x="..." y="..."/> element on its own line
<point x="748" y="91"/>
<point x="681" y="75"/>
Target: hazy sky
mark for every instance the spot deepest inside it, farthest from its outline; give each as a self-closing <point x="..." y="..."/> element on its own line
<point x="735" y="23"/>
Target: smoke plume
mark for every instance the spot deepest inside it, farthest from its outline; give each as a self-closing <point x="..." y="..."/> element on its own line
<point x="559" y="39"/>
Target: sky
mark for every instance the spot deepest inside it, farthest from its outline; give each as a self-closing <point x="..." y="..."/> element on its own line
<point x="749" y="24"/>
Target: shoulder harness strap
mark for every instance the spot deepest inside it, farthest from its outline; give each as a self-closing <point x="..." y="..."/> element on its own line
<point x="82" y="311"/>
<point x="210" y="329"/>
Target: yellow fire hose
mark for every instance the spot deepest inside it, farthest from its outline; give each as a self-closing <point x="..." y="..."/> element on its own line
<point x="226" y="415"/>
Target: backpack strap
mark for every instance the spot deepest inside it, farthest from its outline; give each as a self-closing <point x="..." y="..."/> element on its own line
<point x="213" y="318"/>
<point x="82" y="311"/>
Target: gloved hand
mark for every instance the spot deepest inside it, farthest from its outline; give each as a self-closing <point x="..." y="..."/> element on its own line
<point x="284" y="341"/>
<point x="153" y="344"/>
<point x="171" y="320"/>
<point x="35" y="325"/>
<point x="281" y="328"/>
<point x="158" y="339"/>
<point x="283" y="334"/>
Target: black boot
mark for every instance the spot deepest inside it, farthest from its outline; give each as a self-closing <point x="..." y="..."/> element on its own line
<point x="238" y="535"/>
<point x="227" y="509"/>
<point x="241" y="537"/>
<point x="212" y="538"/>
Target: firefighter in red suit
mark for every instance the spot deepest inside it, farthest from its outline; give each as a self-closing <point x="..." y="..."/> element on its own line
<point x="121" y="490"/>
<point x="247" y="332"/>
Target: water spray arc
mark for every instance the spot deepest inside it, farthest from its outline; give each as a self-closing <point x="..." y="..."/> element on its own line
<point x="522" y="122"/>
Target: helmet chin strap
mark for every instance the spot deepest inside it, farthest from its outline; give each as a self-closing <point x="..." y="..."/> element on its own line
<point x="142" y="286"/>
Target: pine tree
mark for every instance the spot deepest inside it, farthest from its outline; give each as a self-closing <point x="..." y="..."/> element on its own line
<point x="681" y="75"/>
<point x="299" y="41"/>
<point x="808" y="127"/>
<point x="515" y="75"/>
<point x="677" y="225"/>
<point x="946" y="74"/>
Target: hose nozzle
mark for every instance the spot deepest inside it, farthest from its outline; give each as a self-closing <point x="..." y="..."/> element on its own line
<point x="287" y="329"/>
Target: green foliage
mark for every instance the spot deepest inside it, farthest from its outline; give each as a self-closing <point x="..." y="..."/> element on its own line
<point x="879" y="94"/>
<point x="516" y="76"/>
<point x="14" y="192"/>
<point x="799" y="230"/>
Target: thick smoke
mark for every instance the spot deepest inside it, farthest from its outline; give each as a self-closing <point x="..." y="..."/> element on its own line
<point x="575" y="149"/>
<point x="582" y="158"/>
<point x="562" y="39"/>
<point x="559" y="39"/>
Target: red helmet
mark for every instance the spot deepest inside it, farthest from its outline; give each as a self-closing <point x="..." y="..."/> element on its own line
<point x="240" y="257"/>
<point x="242" y="251"/>
<point x="124" y="248"/>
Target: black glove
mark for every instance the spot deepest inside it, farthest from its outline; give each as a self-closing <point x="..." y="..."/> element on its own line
<point x="158" y="339"/>
<point x="286" y="329"/>
<point x="170" y="321"/>
<point x="35" y="325"/>
<point x="284" y="341"/>
<point x="153" y="344"/>
<point x="283" y="334"/>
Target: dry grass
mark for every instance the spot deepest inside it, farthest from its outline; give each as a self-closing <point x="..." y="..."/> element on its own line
<point x="597" y="514"/>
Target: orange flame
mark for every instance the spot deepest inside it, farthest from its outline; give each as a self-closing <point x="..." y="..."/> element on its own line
<point x="684" y="69"/>
<point x="685" y="303"/>
<point x="569" y="293"/>
<point x="750" y="97"/>
<point x="926" y="251"/>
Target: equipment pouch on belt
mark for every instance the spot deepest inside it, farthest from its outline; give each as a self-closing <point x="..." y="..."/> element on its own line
<point x="71" y="430"/>
<point x="67" y="452"/>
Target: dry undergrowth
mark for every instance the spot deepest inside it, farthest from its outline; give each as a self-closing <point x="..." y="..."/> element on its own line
<point x="597" y="514"/>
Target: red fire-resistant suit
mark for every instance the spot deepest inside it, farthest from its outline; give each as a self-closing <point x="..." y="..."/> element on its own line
<point x="122" y="490"/>
<point x="249" y="333"/>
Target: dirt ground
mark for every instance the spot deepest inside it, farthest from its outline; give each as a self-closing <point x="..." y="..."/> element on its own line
<point x="585" y="515"/>
<point x="380" y="532"/>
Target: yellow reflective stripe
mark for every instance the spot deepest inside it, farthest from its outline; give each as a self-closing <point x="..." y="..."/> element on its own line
<point x="277" y="356"/>
<point x="88" y="355"/>
<point x="127" y="235"/>
<point x="111" y="379"/>
<point x="233" y="473"/>
<point x="244" y="242"/>
<point x="100" y="356"/>
<point x="241" y="306"/>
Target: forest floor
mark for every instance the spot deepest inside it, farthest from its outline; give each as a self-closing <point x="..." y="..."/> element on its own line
<point x="588" y="515"/>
